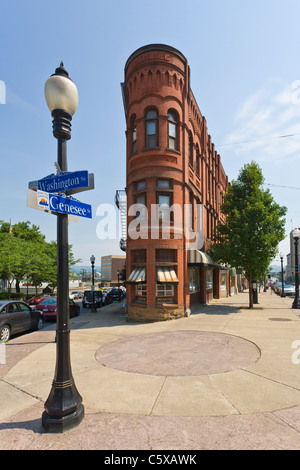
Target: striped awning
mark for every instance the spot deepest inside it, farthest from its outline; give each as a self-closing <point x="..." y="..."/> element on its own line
<point x="138" y="276"/>
<point x="197" y="257"/>
<point x="166" y="275"/>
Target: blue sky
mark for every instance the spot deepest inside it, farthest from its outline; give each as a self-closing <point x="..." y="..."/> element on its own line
<point x="245" y="75"/>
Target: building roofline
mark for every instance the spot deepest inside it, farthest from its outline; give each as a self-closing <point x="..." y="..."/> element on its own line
<point x="155" y="47"/>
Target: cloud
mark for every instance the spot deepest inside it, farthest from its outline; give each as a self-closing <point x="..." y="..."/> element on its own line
<point x="268" y="122"/>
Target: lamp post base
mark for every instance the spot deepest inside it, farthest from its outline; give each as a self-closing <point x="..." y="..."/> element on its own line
<point x="296" y="303"/>
<point x="54" y="424"/>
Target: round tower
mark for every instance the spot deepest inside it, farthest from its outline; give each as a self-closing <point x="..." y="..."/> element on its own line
<point x="155" y="91"/>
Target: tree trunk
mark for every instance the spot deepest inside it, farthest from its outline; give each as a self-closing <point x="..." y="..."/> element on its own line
<point x="250" y="292"/>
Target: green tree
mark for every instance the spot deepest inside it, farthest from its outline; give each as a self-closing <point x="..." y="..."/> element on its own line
<point x="24" y="254"/>
<point x="254" y="225"/>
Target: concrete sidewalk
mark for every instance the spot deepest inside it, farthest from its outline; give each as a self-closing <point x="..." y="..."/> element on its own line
<point x="224" y="378"/>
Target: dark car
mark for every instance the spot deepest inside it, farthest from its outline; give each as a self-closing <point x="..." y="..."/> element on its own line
<point x="49" y="308"/>
<point x="87" y="300"/>
<point x="117" y="294"/>
<point x="17" y="317"/>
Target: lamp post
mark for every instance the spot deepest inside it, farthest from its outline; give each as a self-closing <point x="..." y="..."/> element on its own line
<point x="282" y="284"/>
<point x="118" y="273"/>
<point x="92" y="259"/>
<point x="296" y="235"/>
<point x="63" y="408"/>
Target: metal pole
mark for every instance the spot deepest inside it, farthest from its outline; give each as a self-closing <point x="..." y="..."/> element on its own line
<point x="282" y="284"/>
<point x="93" y="284"/>
<point x="296" y="303"/>
<point x="63" y="408"/>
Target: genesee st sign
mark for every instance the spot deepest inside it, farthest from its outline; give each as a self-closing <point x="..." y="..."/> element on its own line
<point x="64" y="181"/>
<point x="60" y="203"/>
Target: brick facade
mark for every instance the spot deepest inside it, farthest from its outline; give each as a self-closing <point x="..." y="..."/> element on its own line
<point x="171" y="160"/>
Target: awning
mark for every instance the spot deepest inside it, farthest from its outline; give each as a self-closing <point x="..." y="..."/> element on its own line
<point x="197" y="257"/>
<point x="166" y="275"/>
<point x="138" y="276"/>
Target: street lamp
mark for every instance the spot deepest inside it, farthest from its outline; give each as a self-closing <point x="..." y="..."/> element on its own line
<point x="63" y="408"/>
<point x="92" y="259"/>
<point x="118" y="273"/>
<point x="282" y="284"/>
<point x="296" y="235"/>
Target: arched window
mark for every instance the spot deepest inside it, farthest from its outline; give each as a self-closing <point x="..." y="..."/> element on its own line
<point x="134" y="135"/>
<point x="172" y="130"/>
<point x="197" y="161"/>
<point x="151" y="122"/>
<point x="191" y="151"/>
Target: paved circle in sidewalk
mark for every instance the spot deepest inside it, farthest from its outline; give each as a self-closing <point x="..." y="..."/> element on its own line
<point x="179" y="353"/>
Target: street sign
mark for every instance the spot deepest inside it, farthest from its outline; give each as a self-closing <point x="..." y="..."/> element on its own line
<point x="91" y="185"/>
<point x="60" y="203"/>
<point x="64" y="181"/>
<point x="32" y="201"/>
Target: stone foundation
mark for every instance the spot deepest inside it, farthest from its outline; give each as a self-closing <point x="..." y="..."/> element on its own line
<point x="142" y="313"/>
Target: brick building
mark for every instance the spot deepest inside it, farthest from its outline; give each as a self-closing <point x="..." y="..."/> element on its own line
<point x="171" y="164"/>
<point x="110" y="265"/>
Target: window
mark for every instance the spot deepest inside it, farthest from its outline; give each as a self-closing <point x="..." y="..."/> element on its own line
<point x="151" y="129"/>
<point x="163" y="184"/>
<point x="192" y="211"/>
<point x="209" y="279"/>
<point x="24" y="308"/>
<point x="141" y="185"/>
<point x="172" y="130"/>
<point x="12" y="308"/>
<point x="191" y="152"/>
<point x="165" y="255"/>
<point x="197" y="161"/>
<point x="141" y="212"/>
<point x="134" y="136"/>
<point x="164" y="204"/>
<point x="139" y="256"/>
<point x="141" y="291"/>
<point x="194" y="280"/>
<point x="165" y="293"/>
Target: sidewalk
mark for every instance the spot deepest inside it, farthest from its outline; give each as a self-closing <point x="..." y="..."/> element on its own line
<point x="224" y="378"/>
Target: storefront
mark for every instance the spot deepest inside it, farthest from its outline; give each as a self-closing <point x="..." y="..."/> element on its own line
<point x="204" y="276"/>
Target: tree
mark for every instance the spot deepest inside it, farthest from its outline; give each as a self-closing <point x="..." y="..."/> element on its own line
<point x="254" y="225"/>
<point x="24" y="253"/>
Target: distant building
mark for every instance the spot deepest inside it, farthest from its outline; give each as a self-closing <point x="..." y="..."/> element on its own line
<point x="290" y="267"/>
<point x="110" y="265"/>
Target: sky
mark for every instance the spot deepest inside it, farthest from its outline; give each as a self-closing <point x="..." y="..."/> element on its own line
<point x="245" y="75"/>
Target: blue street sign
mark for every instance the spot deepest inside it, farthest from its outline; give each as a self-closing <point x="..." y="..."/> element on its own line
<point x="64" y="181"/>
<point x="63" y="204"/>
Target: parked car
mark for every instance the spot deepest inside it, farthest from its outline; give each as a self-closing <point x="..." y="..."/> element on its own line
<point x="37" y="299"/>
<point x="49" y="308"/>
<point x="87" y="300"/>
<point x="17" y="317"/>
<point x="117" y="294"/>
<point x="78" y="294"/>
<point x="289" y="289"/>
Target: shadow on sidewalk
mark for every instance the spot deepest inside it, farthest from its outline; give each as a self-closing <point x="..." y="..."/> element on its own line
<point x="215" y="309"/>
